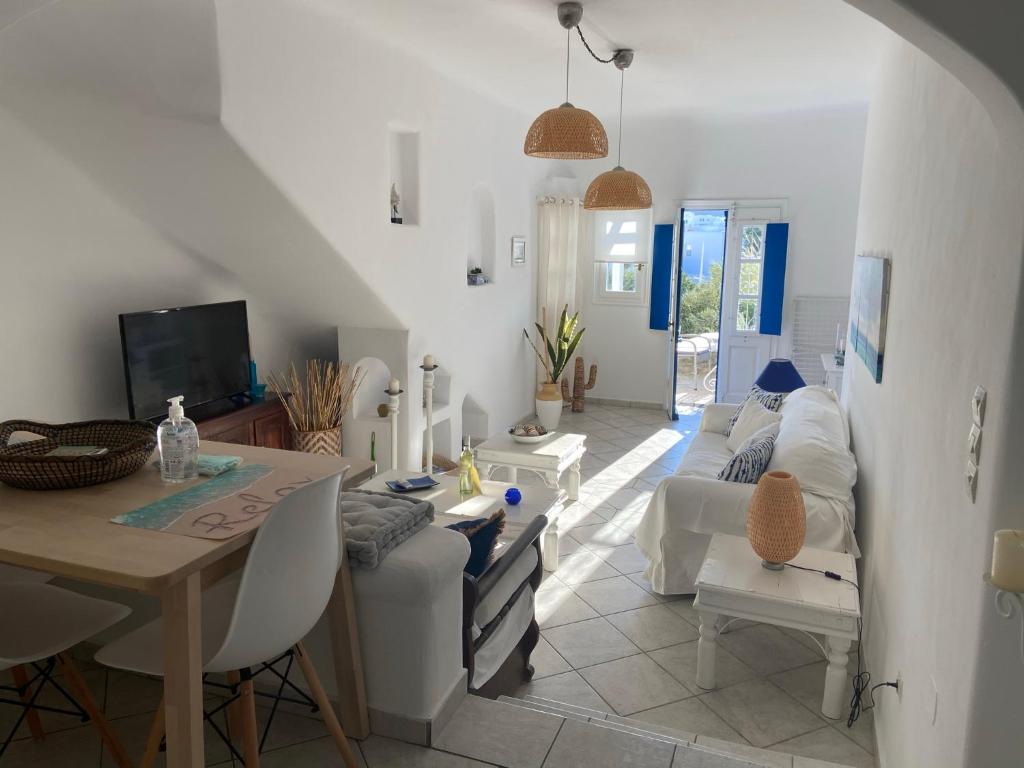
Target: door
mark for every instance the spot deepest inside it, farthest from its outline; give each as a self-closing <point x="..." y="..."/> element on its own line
<point x="743" y="350"/>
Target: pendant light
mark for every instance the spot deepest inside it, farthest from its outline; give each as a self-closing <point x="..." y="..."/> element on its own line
<point x="567" y="132"/>
<point x="618" y="189"/>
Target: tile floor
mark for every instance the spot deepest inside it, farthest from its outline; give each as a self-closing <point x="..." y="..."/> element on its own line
<point x="608" y="643"/>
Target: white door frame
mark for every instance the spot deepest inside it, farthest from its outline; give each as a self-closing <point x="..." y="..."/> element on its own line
<point x="740" y="209"/>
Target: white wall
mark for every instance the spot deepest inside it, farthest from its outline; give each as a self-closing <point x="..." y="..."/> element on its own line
<point x="73" y="260"/>
<point x="335" y="93"/>
<point x="941" y="195"/>
<point x="811" y="159"/>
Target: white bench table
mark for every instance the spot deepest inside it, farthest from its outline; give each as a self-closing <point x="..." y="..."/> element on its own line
<point x="561" y="452"/>
<point x="732" y="583"/>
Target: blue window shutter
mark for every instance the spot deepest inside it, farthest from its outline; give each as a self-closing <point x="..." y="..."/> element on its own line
<point x="661" y="277"/>
<point x="773" y="284"/>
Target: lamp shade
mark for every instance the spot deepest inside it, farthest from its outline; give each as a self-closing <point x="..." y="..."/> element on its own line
<point x="566" y="133"/>
<point x="780" y="376"/>
<point x="617" y="190"/>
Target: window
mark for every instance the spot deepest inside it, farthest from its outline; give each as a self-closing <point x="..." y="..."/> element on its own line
<point x="748" y="302"/>
<point x="621" y="251"/>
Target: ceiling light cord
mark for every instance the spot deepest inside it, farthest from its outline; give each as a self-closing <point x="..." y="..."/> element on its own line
<point x="622" y="88"/>
<point x="591" y="50"/>
<point x="568" y="41"/>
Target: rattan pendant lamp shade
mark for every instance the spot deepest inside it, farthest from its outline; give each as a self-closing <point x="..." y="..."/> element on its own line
<point x="618" y="189"/>
<point x="567" y="132"/>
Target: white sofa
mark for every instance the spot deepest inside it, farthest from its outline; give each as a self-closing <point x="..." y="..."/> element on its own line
<point x="813" y="445"/>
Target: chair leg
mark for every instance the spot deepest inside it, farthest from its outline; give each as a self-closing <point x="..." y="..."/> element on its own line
<point x="236" y="717"/>
<point x="84" y="695"/>
<point x="35" y="725"/>
<point x="326" y="707"/>
<point x="250" y="731"/>
<point x="156" y="735"/>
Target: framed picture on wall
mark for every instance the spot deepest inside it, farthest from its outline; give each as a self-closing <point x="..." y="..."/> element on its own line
<point x="869" y="311"/>
<point x="518" y="251"/>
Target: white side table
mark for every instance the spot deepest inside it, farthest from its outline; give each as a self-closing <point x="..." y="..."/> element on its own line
<point x="550" y="459"/>
<point x="732" y="582"/>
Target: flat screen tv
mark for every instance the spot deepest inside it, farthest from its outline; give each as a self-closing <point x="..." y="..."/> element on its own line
<point x="199" y="352"/>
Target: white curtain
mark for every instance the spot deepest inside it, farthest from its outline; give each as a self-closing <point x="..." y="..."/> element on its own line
<point x="560" y="238"/>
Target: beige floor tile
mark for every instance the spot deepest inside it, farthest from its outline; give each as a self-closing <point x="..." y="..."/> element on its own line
<point x="633" y="684"/>
<point x="582" y="566"/>
<point x="766" y="649"/>
<point x="70" y="748"/>
<point x="626" y="559"/>
<point x="583" y="744"/>
<point x="600" y="536"/>
<point x="546" y="660"/>
<point x="762" y="756"/>
<point x="827" y="744"/>
<point x="567" y="688"/>
<point x="323" y="753"/>
<point x="388" y="753"/>
<point x="589" y="642"/>
<point x="614" y="595"/>
<point x="557" y="604"/>
<point x="763" y="714"/>
<point x="653" y="627"/>
<point x="691" y="715"/>
<point x="681" y="662"/>
<point x="515" y="737"/>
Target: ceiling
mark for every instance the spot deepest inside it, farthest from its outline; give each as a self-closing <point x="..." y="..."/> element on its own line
<point x="731" y="57"/>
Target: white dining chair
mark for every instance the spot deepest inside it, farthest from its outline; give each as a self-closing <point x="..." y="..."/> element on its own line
<point x="258" y="616"/>
<point x="41" y="624"/>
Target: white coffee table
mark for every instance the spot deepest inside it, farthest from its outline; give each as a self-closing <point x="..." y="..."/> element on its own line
<point x="561" y="452"/>
<point x="451" y="507"/>
<point x="733" y="583"/>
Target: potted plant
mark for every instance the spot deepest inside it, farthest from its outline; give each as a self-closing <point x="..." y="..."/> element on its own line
<point x="317" y="406"/>
<point x="559" y="348"/>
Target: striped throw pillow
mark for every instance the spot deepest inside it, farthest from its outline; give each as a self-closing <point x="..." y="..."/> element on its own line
<point x="770" y="400"/>
<point x="751" y="460"/>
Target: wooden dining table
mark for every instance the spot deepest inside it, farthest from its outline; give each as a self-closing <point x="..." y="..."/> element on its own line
<point x="69" y="534"/>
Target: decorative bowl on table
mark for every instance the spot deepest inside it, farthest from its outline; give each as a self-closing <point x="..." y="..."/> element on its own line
<point x="529" y="433"/>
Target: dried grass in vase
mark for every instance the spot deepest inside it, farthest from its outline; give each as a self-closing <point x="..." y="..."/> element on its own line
<point x="319" y="403"/>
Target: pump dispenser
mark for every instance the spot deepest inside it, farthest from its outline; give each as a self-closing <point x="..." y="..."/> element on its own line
<point x="178" y="439"/>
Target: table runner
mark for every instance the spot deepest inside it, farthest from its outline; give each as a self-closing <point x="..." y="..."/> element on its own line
<point x="221" y="507"/>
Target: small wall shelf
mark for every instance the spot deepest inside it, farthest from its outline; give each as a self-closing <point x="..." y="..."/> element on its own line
<point x="404" y="149"/>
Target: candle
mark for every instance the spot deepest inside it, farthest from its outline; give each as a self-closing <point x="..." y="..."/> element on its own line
<point x="393" y="387"/>
<point x="428" y="361"/>
<point x="1008" y="560"/>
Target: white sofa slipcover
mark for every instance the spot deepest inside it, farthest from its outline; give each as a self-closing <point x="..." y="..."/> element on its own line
<point x="690" y="506"/>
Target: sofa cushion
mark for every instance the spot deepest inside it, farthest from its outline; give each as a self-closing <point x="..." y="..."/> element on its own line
<point x="483" y="534"/>
<point x="752" y="419"/>
<point x="812" y="444"/>
<point x="705" y="456"/>
<point x="751" y="460"/>
<point x="770" y="400"/>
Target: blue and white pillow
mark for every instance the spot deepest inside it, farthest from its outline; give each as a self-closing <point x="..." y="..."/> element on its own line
<point x="751" y="460"/>
<point x="770" y="400"/>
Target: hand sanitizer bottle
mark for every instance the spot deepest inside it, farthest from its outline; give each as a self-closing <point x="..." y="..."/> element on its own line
<point x="178" y="439"/>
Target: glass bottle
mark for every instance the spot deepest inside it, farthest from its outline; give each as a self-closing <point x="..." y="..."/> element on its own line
<point x="465" y="465"/>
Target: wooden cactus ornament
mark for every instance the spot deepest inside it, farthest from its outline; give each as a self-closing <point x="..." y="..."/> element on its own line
<point x="579" y="389"/>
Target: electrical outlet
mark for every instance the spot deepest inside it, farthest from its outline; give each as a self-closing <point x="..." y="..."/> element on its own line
<point x="978" y="405"/>
<point x="974" y="444"/>
<point x="971" y="480"/>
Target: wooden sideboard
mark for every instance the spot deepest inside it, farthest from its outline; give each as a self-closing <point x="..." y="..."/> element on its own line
<point x="260" y="424"/>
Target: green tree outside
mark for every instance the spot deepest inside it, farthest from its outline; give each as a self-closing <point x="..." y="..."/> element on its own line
<point x="699" y="303"/>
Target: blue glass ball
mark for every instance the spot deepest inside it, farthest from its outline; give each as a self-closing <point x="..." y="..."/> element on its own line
<point x="513" y="496"/>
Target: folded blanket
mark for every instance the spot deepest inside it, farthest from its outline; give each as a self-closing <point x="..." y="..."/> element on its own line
<point x="375" y="523"/>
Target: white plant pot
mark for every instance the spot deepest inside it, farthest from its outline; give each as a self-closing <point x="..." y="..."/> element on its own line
<point x="549" y="410"/>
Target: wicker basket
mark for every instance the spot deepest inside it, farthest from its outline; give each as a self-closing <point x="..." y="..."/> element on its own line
<point x="26" y="465"/>
<point x="326" y="442"/>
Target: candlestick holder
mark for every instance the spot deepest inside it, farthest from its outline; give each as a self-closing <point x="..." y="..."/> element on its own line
<point x="428" y="405"/>
<point x="1007" y="604"/>
<point x="393" y="412"/>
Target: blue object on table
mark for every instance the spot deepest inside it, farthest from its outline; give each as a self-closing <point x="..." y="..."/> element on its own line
<point x="780" y="375"/>
<point x="412" y="484"/>
<point x="259" y="392"/>
<point x="513" y="496"/>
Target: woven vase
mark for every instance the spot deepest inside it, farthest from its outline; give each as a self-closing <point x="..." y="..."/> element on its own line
<point x="326" y="442"/>
<point x="776" y="520"/>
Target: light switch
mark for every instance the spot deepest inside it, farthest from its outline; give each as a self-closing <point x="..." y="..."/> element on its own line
<point x="974" y="444"/>
<point x="971" y="480"/>
<point x="978" y="405"/>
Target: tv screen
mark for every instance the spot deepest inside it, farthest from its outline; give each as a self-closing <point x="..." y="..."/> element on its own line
<point x="199" y="352"/>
